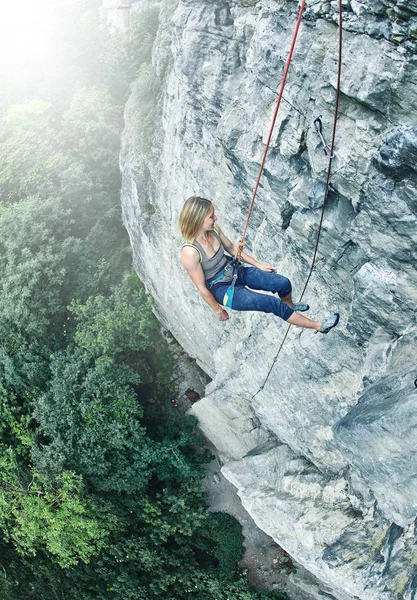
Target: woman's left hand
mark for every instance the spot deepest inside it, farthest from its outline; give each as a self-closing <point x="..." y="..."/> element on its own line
<point x="265" y="267"/>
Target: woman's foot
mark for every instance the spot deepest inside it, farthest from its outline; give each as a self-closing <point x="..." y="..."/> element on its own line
<point x="329" y="322"/>
<point x="300" y="307"/>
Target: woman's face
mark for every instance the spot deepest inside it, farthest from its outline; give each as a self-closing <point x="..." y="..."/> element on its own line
<point x="210" y="219"/>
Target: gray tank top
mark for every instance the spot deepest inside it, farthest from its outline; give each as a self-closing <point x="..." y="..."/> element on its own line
<point x="212" y="266"/>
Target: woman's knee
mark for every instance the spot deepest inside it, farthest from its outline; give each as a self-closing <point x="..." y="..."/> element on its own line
<point x="285" y="287"/>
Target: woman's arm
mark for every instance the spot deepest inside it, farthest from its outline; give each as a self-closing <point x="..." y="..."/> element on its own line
<point x="232" y="250"/>
<point x="191" y="261"/>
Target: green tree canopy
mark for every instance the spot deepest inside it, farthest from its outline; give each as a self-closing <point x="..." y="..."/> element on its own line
<point x="30" y="152"/>
<point x="100" y="477"/>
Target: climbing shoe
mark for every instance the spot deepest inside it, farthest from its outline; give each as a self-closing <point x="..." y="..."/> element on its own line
<point x="329" y="322"/>
<point x="300" y="307"/>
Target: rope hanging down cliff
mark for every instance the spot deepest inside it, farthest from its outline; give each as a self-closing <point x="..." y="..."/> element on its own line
<point x="330" y="157"/>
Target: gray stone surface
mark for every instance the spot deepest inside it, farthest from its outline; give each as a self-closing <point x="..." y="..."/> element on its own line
<point x="322" y="452"/>
<point x="379" y="437"/>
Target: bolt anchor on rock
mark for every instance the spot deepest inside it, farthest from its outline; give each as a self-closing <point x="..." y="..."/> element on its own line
<point x="318" y="127"/>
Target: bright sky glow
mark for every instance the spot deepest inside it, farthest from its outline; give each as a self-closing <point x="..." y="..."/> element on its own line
<point x="26" y="33"/>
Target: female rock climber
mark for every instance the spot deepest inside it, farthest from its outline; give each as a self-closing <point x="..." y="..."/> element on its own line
<point x="203" y="256"/>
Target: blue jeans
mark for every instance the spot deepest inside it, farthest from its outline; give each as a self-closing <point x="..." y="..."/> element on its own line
<point x="256" y="279"/>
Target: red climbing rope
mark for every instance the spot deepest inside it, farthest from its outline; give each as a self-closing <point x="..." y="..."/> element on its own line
<point x="326" y="192"/>
<point x="241" y="242"/>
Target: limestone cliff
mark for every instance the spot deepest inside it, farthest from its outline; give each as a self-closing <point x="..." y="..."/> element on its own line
<point x="323" y="453"/>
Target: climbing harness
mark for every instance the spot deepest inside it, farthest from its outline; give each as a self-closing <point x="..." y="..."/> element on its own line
<point x="228" y="296"/>
<point x="318" y="128"/>
<point x="230" y="292"/>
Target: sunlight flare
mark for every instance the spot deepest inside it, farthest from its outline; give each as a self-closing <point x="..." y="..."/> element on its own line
<point x="26" y="33"/>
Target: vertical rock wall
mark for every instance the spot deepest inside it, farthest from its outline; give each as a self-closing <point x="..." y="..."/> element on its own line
<point x="323" y="451"/>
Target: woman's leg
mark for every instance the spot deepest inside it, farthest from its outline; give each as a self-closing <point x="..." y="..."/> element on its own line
<point x="271" y="282"/>
<point x="288" y="300"/>
<point x="266" y="281"/>
<point x="301" y="321"/>
<point x="247" y="300"/>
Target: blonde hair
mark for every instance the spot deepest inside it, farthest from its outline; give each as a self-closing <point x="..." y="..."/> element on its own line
<point x="192" y="216"/>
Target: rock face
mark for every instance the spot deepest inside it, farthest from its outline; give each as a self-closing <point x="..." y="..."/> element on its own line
<point x="117" y="13"/>
<point x="323" y="450"/>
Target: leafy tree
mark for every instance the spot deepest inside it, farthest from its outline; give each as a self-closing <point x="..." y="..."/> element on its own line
<point x="37" y="252"/>
<point x="14" y="423"/>
<point x="31" y="157"/>
<point x="143" y="29"/>
<point x="91" y="133"/>
<point x="90" y="415"/>
<point x="121" y="325"/>
<point x="33" y="513"/>
<point x="105" y="256"/>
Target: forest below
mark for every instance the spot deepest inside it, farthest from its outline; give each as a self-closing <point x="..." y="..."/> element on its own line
<point x="100" y="478"/>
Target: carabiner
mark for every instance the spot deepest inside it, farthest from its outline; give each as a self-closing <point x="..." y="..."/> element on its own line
<point x="318" y="126"/>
